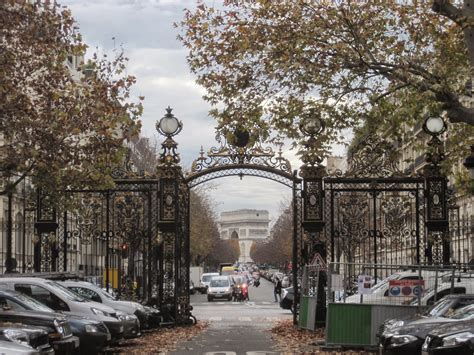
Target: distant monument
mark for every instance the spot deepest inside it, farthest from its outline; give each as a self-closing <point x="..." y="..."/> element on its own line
<point x="246" y="226"/>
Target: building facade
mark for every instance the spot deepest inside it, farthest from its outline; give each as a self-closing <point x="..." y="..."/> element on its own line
<point x="246" y="226"/>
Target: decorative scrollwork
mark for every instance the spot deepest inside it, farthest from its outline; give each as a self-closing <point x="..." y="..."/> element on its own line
<point x="229" y="155"/>
<point x="397" y="221"/>
<point x="373" y="157"/>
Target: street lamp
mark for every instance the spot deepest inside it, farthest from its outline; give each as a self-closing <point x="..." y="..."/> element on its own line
<point x="434" y="125"/>
<point x="169" y="125"/>
<point x="469" y="163"/>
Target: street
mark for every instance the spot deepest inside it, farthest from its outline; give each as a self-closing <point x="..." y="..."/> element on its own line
<point x="236" y="327"/>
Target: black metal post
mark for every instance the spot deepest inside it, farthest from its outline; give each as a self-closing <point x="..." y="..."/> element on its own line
<point x="295" y="252"/>
<point x="149" y="253"/>
<point x="107" y="236"/>
<point x="65" y="242"/>
<point x="9" y="261"/>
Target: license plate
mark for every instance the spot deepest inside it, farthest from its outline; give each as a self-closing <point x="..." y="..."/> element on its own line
<point x="424" y="353"/>
<point x="218" y="295"/>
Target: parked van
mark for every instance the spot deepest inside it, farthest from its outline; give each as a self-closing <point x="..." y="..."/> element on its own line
<point x="379" y="293"/>
<point x="463" y="286"/>
<point x="206" y="280"/>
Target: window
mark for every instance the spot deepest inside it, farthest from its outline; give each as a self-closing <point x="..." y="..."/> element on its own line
<point x="86" y="293"/>
<point x="9" y="305"/>
<point x="42" y="295"/>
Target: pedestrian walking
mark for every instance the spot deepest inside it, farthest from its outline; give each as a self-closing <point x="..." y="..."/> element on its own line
<point x="277" y="290"/>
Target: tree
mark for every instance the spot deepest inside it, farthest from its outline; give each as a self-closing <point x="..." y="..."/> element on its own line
<point x="267" y="65"/>
<point x="277" y="250"/>
<point x="206" y="246"/>
<point x="61" y="128"/>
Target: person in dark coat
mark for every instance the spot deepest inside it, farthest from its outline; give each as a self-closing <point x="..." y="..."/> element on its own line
<point x="277" y="290"/>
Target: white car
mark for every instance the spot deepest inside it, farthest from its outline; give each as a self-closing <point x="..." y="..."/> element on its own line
<point x="96" y="294"/>
<point x="58" y="297"/>
<point x="379" y="293"/>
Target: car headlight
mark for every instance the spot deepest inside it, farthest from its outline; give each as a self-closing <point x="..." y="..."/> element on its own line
<point x="457" y="339"/>
<point x="124" y="316"/>
<point x="59" y="328"/>
<point x="139" y="307"/>
<point x="17" y="336"/>
<point x="399" y="340"/>
<point x="227" y="289"/>
<point x="90" y="328"/>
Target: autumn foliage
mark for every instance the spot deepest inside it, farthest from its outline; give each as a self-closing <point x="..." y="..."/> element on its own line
<point x="62" y="125"/>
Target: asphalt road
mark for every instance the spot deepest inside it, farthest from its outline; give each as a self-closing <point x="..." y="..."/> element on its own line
<point x="236" y="327"/>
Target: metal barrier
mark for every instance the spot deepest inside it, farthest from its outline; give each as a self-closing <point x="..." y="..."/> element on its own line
<point x="362" y="296"/>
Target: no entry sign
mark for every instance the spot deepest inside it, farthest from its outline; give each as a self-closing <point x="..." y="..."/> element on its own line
<point x="406" y="288"/>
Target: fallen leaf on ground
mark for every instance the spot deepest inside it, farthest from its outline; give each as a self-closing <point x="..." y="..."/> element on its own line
<point x="159" y="340"/>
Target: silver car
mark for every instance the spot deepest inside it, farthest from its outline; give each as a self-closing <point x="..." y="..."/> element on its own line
<point x="220" y="287"/>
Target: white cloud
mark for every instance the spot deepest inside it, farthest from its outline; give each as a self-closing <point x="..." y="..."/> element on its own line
<point x="157" y="59"/>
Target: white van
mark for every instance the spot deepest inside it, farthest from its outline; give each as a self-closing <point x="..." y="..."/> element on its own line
<point x="463" y="286"/>
<point x="379" y="292"/>
<point x="206" y="280"/>
<point x="61" y="299"/>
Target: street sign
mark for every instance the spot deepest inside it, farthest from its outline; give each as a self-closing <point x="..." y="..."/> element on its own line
<point x="406" y="288"/>
<point x="318" y="260"/>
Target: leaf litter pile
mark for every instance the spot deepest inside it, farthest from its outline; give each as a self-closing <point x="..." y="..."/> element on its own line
<point x="160" y="340"/>
<point x="290" y="339"/>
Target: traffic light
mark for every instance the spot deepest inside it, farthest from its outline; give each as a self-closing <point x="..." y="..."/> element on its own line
<point x="124" y="248"/>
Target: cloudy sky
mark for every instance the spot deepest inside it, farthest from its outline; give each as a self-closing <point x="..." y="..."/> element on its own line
<point x="144" y="28"/>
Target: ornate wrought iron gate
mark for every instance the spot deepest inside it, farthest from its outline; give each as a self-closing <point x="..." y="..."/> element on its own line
<point x="376" y="213"/>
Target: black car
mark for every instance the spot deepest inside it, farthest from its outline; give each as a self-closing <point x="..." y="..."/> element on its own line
<point x="58" y="328"/>
<point x="409" y="338"/>
<point x="286" y="301"/>
<point x="450" y="339"/>
<point x="441" y="308"/>
<point x="35" y="338"/>
<point x="94" y="335"/>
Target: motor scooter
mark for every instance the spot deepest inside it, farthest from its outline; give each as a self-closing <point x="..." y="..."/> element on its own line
<point x="238" y="294"/>
<point x="245" y="292"/>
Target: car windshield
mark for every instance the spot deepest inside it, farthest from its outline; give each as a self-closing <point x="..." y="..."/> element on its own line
<point x="206" y="278"/>
<point x="436" y="308"/>
<point x="219" y="283"/>
<point x="65" y="292"/>
<point x="463" y="313"/>
<point x="32" y="303"/>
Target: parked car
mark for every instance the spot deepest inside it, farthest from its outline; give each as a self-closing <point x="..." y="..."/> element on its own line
<point x="450" y="339"/>
<point x="34" y="339"/>
<point x="410" y="338"/>
<point x="220" y="287"/>
<point x="206" y="280"/>
<point x="93" y="335"/>
<point x="56" y="325"/>
<point x="443" y="307"/>
<point x="61" y="299"/>
<point x="287" y="295"/>
<point x="96" y="294"/>
<point x="10" y="348"/>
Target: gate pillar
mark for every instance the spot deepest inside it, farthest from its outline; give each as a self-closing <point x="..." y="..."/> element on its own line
<point x="45" y="226"/>
<point x="173" y="222"/>
<point x="312" y="173"/>
<point x="436" y="192"/>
